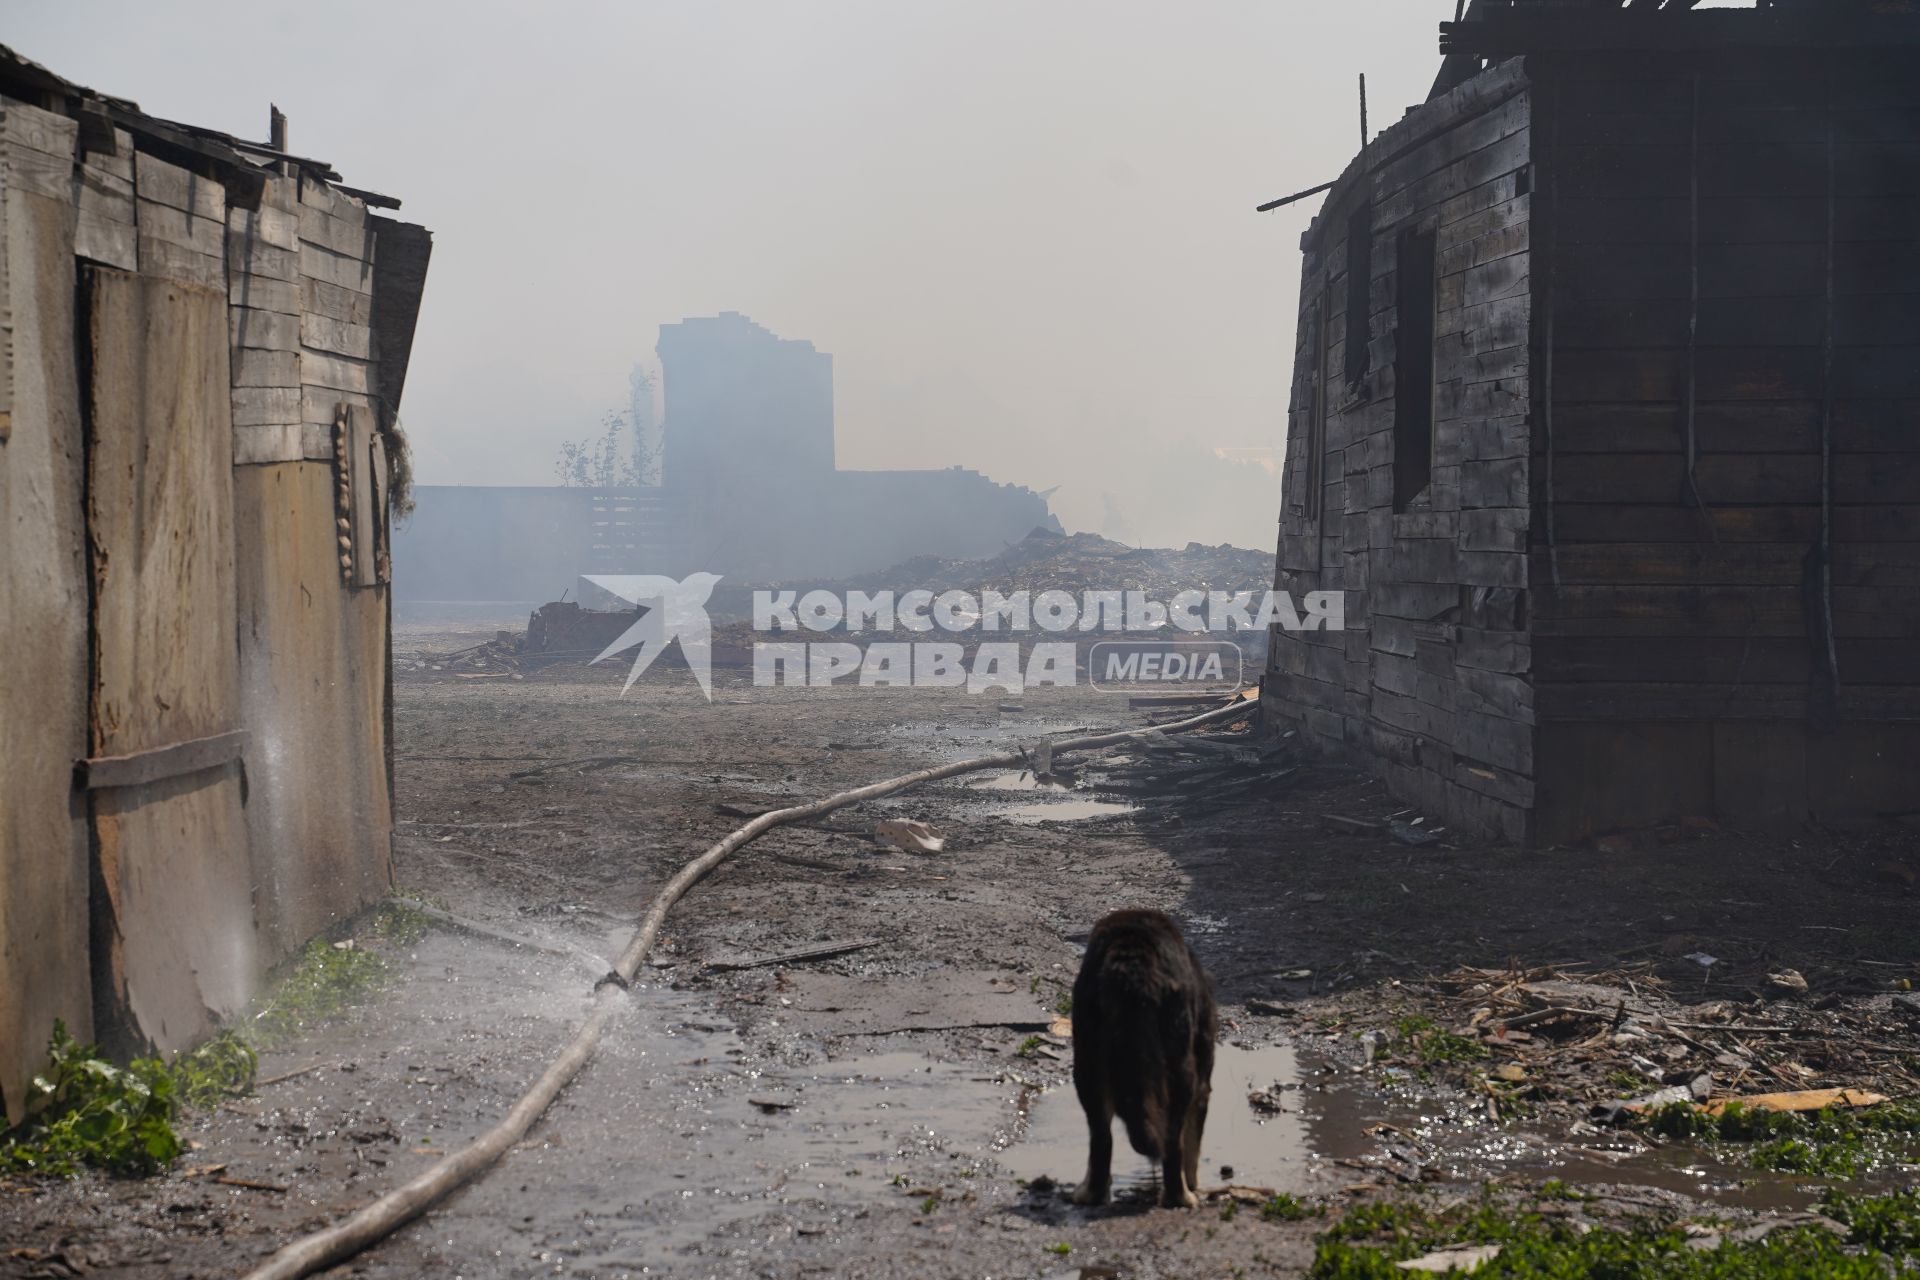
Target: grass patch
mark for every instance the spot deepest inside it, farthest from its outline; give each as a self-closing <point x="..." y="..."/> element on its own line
<point x="1030" y="1047"/>
<point x="1370" y="1242"/>
<point x="1839" y="1142"/>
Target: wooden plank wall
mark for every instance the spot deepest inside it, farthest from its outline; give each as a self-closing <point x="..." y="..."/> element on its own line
<point x="302" y="294"/>
<point x="313" y="654"/>
<point x="283" y="293"/>
<point x="44" y="968"/>
<point x="1670" y="611"/>
<point x="174" y="946"/>
<point x="1429" y="684"/>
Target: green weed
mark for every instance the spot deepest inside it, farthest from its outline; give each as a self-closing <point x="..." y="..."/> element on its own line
<point x="325" y="982"/>
<point x="1555" y="1189"/>
<point x="401" y="921"/>
<point x="1626" y="1081"/>
<point x="85" y="1111"/>
<point x="1030" y="1047"/>
<point x="1889" y="1223"/>
<point x="223" y="1067"/>
<point x="1424" y="1041"/>
<point x="1840" y="1142"/>
<point x="1284" y="1208"/>
<point x="1372" y="1240"/>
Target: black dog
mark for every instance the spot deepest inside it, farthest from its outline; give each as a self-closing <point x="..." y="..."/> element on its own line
<point x="1143" y="1031"/>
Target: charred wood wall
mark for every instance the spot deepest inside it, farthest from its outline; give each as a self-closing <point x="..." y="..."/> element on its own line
<point x="1730" y="259"/>
<point x="1429" y="683"/>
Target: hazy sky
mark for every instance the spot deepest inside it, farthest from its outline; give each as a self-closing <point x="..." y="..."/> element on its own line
<point x="1024" y="230"/>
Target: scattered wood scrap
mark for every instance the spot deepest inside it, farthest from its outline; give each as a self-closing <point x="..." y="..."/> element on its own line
<point x="825" y="951"/>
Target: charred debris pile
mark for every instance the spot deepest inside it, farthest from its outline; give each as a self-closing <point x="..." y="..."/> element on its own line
<point x="564" y="633"/>
<point x="1048" y="561"/>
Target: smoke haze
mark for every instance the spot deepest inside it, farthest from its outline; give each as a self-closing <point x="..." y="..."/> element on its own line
<point x="1024" y="231"/>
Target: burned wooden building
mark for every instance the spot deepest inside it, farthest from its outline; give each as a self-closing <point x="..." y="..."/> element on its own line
<point x="204" y="345"/>
<point x="1606" y="420"/>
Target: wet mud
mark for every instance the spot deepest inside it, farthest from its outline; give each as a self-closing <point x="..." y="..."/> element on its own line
<point x="905" y="1109"/>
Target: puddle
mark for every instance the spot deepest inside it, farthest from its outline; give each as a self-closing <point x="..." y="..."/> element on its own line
<point x="1067" y="802"/>
<point x="1017" y="782"/>
<point x="1068" y="810"/>
<point x="1262" y="1150"/>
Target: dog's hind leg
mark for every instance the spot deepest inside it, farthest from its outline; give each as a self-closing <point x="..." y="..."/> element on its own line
<point x="1098" y="1184"/>
<point x="1176" y="1187"/>
<point x="1190" y="1143"/>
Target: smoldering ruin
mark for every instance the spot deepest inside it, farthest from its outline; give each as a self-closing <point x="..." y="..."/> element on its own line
<point x="678" y="861"/>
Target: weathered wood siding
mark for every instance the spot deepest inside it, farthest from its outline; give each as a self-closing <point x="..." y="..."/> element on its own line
<point x="43" y="602"/>
<point x="195" y="721"/>
<point x="313" y="655"/>
<point x="1429" y="684"/>
<point x="1673" y="638"/>
<point x="175" y="947"/>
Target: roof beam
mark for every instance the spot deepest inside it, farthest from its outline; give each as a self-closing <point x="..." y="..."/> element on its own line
<point x="1514" y="32"/>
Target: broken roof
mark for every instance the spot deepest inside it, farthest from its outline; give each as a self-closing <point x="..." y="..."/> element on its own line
<point x="239" y="165"/>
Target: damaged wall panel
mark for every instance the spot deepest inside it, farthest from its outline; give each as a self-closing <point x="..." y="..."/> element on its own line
<point x="176" y="946"/>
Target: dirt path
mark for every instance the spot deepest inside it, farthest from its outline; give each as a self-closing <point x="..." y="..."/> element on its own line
<point x="898" y="1110"/>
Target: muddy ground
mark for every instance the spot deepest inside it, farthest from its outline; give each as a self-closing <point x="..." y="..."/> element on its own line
<point x="903" y="1109"/>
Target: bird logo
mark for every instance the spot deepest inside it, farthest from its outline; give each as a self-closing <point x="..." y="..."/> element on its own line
<point x="669" y="611"/>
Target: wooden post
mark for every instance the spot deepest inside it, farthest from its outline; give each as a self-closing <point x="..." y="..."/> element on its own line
<point x="1363" y="113"/>
<point x="277" y="133"/>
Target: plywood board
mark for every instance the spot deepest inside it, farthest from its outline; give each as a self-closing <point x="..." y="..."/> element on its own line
<point x="43" y="632"/>
<point x="173" y="857"/>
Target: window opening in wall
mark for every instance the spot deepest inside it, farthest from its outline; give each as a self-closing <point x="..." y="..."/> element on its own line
<point x="1359" y="285"/>
<point x="1317" y="409"/>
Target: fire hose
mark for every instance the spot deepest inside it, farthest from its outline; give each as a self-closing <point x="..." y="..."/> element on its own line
<point x="404" y="1203"/>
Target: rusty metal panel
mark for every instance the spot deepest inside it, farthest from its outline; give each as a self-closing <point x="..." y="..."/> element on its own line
<point x="175" y="947"/>
<point x="43" y="621"/>
<point x="313" y="680"/>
